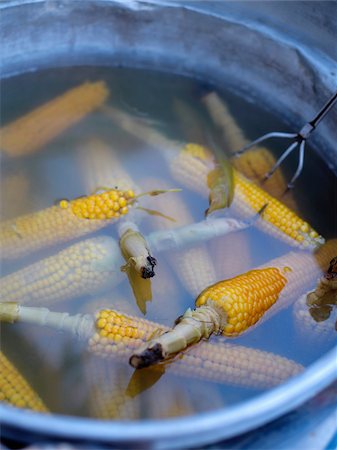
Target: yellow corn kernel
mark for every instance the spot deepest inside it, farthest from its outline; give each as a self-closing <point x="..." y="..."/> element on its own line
<point x="37" y="128"/>
<point x="81" y="268"/>
<point x="15" y="390"/>
<point x="99" y="204"/>
<point x="244" y="299"/>
<point x="250" y="198"/>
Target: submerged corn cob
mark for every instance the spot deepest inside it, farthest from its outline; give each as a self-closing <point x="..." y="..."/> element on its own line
<point x="68" y="220"/>
<point x="254" y="164"/>
<point x="108" y="396"/>
<point x="116" y="335"/>
<point x="193" y="266"/>
<point x="313" y="329"/>
<point x="37" y="128"/>
<point x="278" y="220"/>
<point x="82" y="268"/>
<point x="232" y="306"/>
<point x="15" y="390"/>
<point x="326" y="290"/>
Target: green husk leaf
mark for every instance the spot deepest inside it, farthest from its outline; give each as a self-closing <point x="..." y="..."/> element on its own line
<point x="220" y="183"/>
<point x="154" y="212"/>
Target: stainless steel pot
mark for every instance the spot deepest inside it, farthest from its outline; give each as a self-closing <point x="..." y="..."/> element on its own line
<point x="281" y="54"/>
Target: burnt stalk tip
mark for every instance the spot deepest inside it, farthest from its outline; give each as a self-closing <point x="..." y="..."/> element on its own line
<point x="147" y="358"/>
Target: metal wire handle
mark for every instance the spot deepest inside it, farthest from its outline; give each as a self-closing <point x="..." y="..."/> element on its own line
<point x="299" y="137"/>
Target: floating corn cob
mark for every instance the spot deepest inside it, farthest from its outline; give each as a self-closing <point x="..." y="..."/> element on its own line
<point x="191" y="165"/>
<point x="61" y="223"/>
<point x="115" y="335"/>
<point x="36" y="129"/>
<point x="253" y="164"/>
<point x="278" y="220"/>
<point x="193" y="266"/>
<point x="15" y="390"/>
<point x="316" y="325"/>
<point x="107" y="387"/>
<point x="233" y="306"/>
<point x="85" y="267"/>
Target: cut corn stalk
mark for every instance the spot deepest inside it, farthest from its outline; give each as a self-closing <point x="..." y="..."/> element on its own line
<point x="15" y="390"/>
<point x="231" y="307"/>
<point x="278" y="220"/>
<point x="326" y="290"/>
<point x="115" y="335"/>
<point x="316" y="324"/>
<point x="33" y="131"/>
<point x="108" y="398"/>
<point x="253" y="164"/>
<point x="85" y="267"/>
<point x="193" y="266"/>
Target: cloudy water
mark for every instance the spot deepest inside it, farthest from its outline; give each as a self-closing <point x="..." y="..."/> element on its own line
<point x="107" y="128"/>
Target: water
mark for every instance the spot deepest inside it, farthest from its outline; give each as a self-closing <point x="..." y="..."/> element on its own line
<point x="70" y="380"/>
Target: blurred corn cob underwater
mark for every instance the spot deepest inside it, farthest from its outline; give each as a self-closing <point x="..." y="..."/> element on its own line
<point x="82" y="268"/>
<point x="15" y="390"/>
<point x="191" y="165"/>
<point x="193" y="266"/>
<point x="107" y="386"/>
<point x="231" y="307"/>
<point x="33" y="131"/>
<point x="254" y="164"/>
<point x="93" y="264"/>
<point x="15" y="191"/>
<point x="315" y="325"/>
<point x="112" y="334"/>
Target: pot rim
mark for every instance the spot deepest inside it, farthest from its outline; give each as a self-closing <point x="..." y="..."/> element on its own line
<point x="170" y="433"/>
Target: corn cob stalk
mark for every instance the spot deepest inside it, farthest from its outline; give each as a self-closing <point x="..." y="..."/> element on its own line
<point x="15" y="390"/>
<point x="115" y="335"/>
<point x="33" y="131"/>
<point x="253" y="164"/>
<point x="232" y="306"/>
<point x="85" y="267"/>
<point x="193" y="266"/>
<point x="191" y="166"/>
<point x="108" y="398"/>
<point x="326" y="290"/>
<point x="316" y="325"/>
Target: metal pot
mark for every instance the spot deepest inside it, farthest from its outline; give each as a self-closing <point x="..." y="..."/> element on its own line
<point x="282" y="54"/>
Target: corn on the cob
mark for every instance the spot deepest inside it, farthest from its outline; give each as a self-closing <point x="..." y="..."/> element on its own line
<point x="193" y="266"/>
<point x="37" y="128"/>
<point x="253" y="164"/>
<point x="115" y="335"/>
<point x="232" y="306"/>
<point x="85" y="267"/>
<point x="15" y="390"/>
<point x="108" y="396"/>
<point x="316" y="325"/>
<point x="278" y="220"/>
